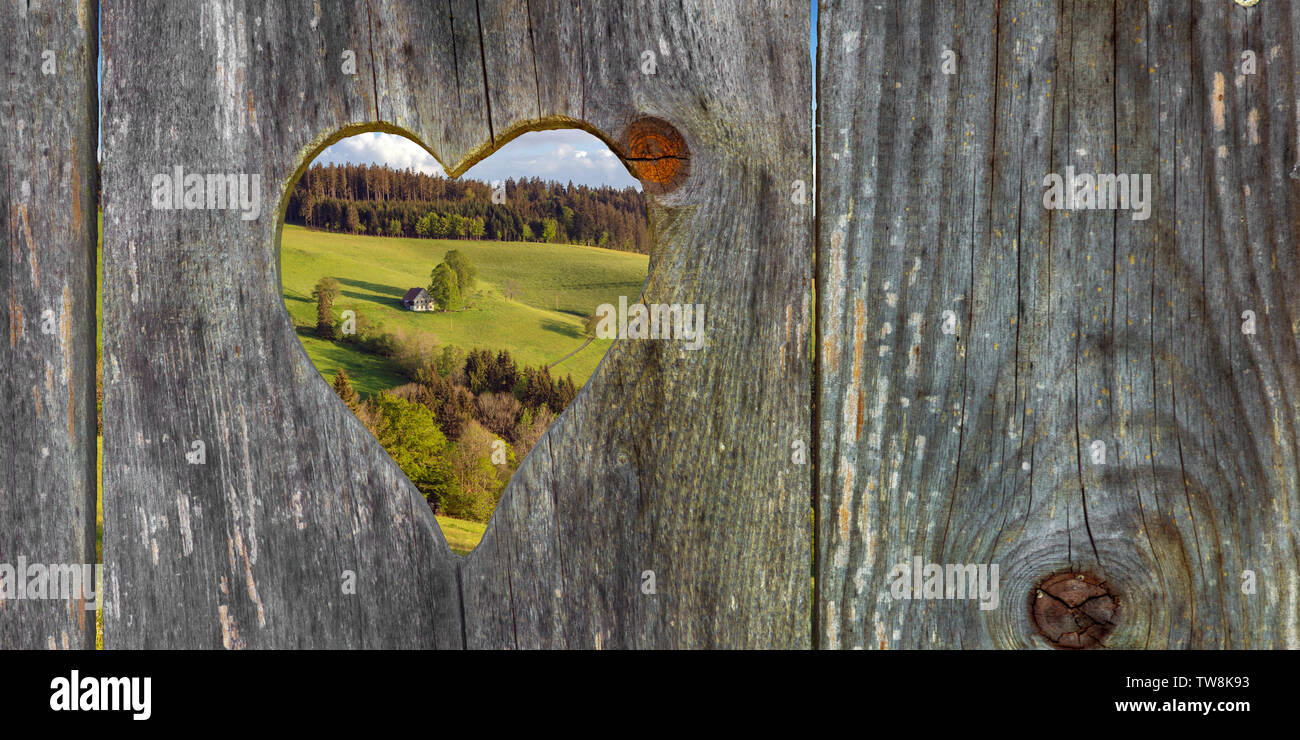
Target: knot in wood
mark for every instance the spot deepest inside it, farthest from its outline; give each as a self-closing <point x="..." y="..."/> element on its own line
<point x="1074" y="610"/>
<point x="657" y="154"/>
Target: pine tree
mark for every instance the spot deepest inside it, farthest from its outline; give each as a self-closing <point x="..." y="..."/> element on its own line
<point x="534" y="210"/>
<point x="351" y="219"/>
<point x="343" y="387"/>
<point x="305" y="208"/>
<point x="326" y="290"/>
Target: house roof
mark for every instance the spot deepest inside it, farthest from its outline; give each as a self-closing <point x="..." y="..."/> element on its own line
<point x="414" y="293"/>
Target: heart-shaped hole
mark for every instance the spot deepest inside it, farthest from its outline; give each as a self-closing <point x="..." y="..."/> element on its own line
<point x="457" y="318"/>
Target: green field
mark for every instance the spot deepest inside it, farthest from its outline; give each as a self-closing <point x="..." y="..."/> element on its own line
<point x="559" y="284"/>
<point x="462" y="536"/>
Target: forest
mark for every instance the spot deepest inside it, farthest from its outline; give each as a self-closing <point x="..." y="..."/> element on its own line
<point x="382" y="201"/>
<point x="463" y="424"/>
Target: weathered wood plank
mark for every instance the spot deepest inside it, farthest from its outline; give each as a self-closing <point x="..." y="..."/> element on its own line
<point x="1072" y="328"/>
<point x="214" y="364"/>
<point x="47" y="306"/>
<point x="558" y="64"/>
<point x="669" y="460"/>
<point x="429" y="73"/>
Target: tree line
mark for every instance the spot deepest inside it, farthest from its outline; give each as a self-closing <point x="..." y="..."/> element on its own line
<point x="379" y="200"/>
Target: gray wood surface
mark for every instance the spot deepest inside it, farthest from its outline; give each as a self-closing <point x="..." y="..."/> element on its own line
<point x="1072" y="327"/>
<point x="673" y="461"/>
<point x="47" y="309"/>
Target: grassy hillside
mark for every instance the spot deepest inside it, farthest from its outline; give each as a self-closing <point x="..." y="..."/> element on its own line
<point x="370" y="374"/>
<point x="559" y="284"/>
<point x="376" y="271"/>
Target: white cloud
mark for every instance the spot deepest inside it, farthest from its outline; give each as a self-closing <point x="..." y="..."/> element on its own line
<point x="563" y="156"/>
<point x="398" y="152"/>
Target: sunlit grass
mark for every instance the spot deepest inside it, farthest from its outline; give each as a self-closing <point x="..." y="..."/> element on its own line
<point x="558" y="285"/>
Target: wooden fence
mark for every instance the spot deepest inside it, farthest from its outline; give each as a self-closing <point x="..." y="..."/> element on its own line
<point x="1096" y="405"/>
<point x="1077" y="397"/>
<point x="47" y="309"/>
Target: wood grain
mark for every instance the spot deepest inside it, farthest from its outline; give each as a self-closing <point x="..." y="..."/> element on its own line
<point x="1072" y="327"/>
<point x="47" y="306"/>
<point x="669" y="460"/>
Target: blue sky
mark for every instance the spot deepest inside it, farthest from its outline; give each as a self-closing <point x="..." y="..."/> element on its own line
<point x="564" y="155"/>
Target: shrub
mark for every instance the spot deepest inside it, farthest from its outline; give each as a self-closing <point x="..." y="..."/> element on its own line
<point x="415" y="352"/>
<point x="530" y="428"/>
<point x="479" y="483"/>
<point x="499" y="412"/>
<point x="410" y="435"/>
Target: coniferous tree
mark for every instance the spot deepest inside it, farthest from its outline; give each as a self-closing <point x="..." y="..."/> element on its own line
<point x="343" y="387"/>
<point x="534" y="210"/>
<point x="326" y="290"/>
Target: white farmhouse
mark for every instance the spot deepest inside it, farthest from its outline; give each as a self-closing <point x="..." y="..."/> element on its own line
<point x="417" y="299"/>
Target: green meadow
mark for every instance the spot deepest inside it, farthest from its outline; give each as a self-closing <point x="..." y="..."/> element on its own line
<point x="462" y="536"/>
<point x="558" y="286"/>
